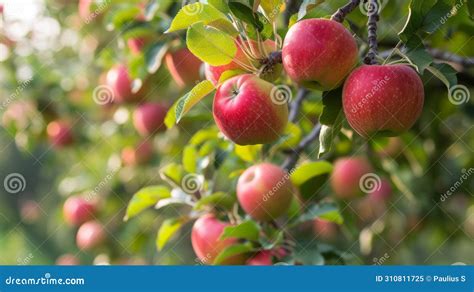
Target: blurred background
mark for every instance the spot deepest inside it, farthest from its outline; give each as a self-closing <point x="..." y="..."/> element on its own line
<point x="53" y="59"/>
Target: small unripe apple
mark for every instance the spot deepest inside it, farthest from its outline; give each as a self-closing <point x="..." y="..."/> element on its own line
<point x="90" y="235"/>
<point x="325" y="229"/>
<point x="148" y="118"/>
<point x="265" y="191"/>
<point x="319" y="53"/>
<point x="213" y="73"/>
<point x="382" y="99"/>
<point x="77" y="210"/>
<point x="347" y="174"/>
<point x="184" y="67"/>
<point x="119" y="81"/>
<point x="262" y="258"/>
<point x="140" y="154"/>
<point x="67" y="260"/>
<point x="248" y="110"/>
<point x="206" y="242"/>
<point x="60" y="133"/>
<point x="381" y="192"/>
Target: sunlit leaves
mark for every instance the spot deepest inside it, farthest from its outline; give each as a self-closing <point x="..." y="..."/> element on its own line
<point x="248" y="230"/>
<point x="146" y="198"/>
<point x="194" y="13"/>
<point x="190" y="99"/>
<point x="309" y="170"/>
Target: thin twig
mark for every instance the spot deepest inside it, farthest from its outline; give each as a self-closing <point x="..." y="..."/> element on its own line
<point x="296" y="104"/>
<point x="294" y="156"/>
<point x="438" y="54"/>
<point x="342" y="12"/>
<point x="373" y="13"/>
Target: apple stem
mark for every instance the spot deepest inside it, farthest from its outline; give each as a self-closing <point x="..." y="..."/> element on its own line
<point x="296" y="104"/>
<point x="373" y="14"/>
<point x="293" y="157"/>
<point x="342" y="12"/>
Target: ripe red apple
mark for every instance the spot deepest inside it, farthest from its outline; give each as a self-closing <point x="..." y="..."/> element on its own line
<point x="184" y="67"/>
<point x="67" y="260"/>
<point x="148" y="118"/>
<point x="136" y="44"/>
<point x="77" y="210"/>
<point x="381" y="192"/>
<point x="206" y="242"/>
<point x="60" y="133"/>
<point x="382" y="99"/>
<point x="119" y="81"/>
<point x="262" y="258"/>
<point x="140" y="154"/>
<point x="319" y="53"/>
<point x="346" y="176"/>
<point x="265" y="191"/>
<point x="325" y="229"/>
<point x="248" y="111"/>
<point x="90" y="235"/>
<point x="213" y="73"/>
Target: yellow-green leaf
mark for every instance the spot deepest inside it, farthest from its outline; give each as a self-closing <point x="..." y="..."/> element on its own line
<point x="190" y="99"/>
<point x="167" y="230"/>
<point x="309" y="170"/>
<point x="194" y="13"/>
<point x="146" y="198"/>
<point x="248" y="153"/>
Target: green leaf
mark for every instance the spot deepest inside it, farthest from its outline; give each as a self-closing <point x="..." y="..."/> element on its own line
<point x="189" y="158"/>
<point x="170" y="119"/>
<point x="231" y="251"/>
<point x="271" y="8"/>
<point x="424" y="17"/>
<point x="470" y="9"/>
<point x="326" y="211"/>
<point x="190" y="99"/>
<point x="332" y="106"/>
<point x="248" y="153"/>
<point x="122" y="15"/>
<point x="307" y="6"/>
<point x="154" y="56"/>
<point x="328" y="134"/>
<point x="173" y="173"/>
<point x="249" y="230"/>
<point x="220" y="199"/>
<point x="194" y="13"/>
<point x="211" y="45"/>
<point x="308" y="170"/>
<point x="275" y="240"/>
<point x="221" y="5"/>
<point x="445" y="73"/>
<point x="245" y="14"/>
<point x="229" y="74"/>
<point x="146" y="198"/>
<point x="417" y="54"/>
<point x="168" y="228"/>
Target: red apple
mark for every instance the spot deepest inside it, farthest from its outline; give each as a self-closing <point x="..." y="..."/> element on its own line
<point x="265" y="191"/>
<point x="213" y="73"/>
<point x="319" y="53"/>
<point x="262" y="258"/>
<point x="136" y="44"/>
<point x="84" y="8"/>
<point x="67" y="260"/>
<point x="206" y="242"/>
<point x="90" y="235"/>
<point x="119" y="81"/>
<point x="60" y="133"/>
<point x="149" y="118"/>
<point x="382" y="99"/>
<point x="77" y="210"/>
<point x="346" y="176"/>
<point x="325" y="229"/>
<point x="248" y="110"/>
<point x="184" y="67"/>
<point x="140" y="154"/>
